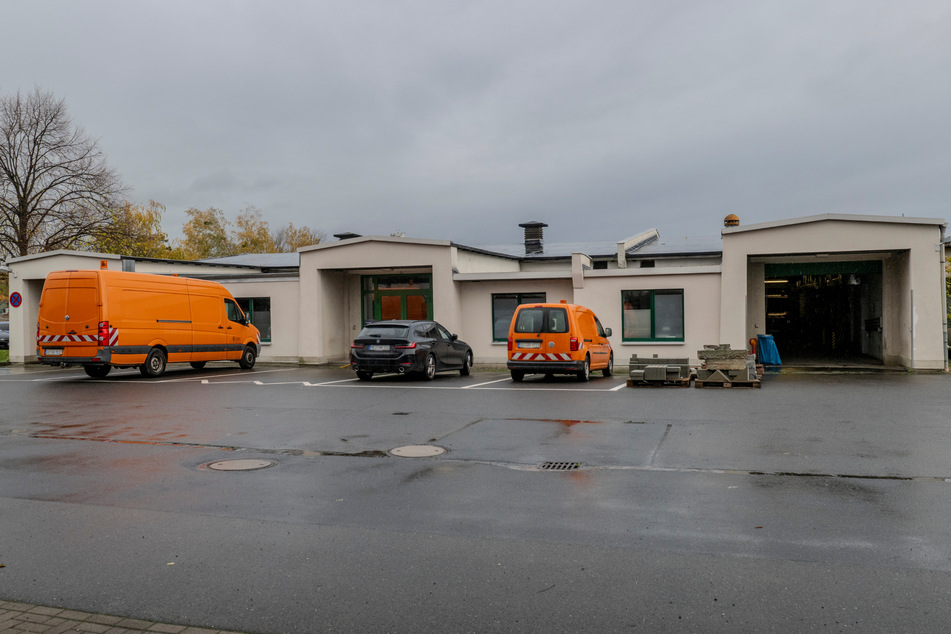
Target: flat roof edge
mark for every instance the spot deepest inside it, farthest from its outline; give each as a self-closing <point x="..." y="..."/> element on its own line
<point x="361" y="239"/>
<point x="910" y="220"/>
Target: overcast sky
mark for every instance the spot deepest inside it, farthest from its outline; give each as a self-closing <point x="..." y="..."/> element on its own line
<point x="459" y="120"/>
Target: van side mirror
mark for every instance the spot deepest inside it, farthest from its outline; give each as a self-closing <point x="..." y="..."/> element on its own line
<point x="607" y="332"/>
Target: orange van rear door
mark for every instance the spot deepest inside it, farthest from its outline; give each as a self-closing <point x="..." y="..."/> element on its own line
<point x="71" y="313"/>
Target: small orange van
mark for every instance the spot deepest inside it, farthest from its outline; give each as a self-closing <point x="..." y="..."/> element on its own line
<point x="558" y="339"/>
<point x="115" y="319"/>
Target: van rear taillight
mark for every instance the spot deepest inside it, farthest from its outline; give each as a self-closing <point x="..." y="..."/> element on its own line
<point x="103" y="333"/>
<point x="511" y="344"/>
<point x="574" y="344"/>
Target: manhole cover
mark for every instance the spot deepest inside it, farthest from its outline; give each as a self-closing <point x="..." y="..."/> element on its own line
<point x="417" y="451"/>
<point x="240" y="465"/>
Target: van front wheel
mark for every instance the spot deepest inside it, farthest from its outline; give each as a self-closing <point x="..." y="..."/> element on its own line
<point x="247" y="358"/>
<point x="154" y="363"/>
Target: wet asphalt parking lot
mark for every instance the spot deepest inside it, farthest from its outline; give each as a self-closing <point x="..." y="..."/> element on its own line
<point x="815" y="502"/>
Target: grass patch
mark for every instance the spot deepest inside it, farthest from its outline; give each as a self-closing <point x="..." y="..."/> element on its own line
<point x="4" y="356"/>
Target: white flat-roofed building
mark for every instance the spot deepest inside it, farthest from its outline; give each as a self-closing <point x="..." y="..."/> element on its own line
<point x="824" y="286"/>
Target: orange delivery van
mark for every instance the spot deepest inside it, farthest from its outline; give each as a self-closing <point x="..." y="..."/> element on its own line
<point x="558" y="339"/>
<point x="116" y="319"/>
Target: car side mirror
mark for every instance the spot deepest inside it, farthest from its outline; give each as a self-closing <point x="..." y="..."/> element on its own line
<point x="453" y="337"/>
<point x="607" y="332"/>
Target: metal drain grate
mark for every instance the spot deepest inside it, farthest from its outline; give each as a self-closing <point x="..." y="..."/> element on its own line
<point x="559" y="466"/>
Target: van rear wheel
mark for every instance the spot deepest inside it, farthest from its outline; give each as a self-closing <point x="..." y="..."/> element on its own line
<point x="585" y="372"/>
<point x="155" y="363"/>
<point x="247" y="358"/>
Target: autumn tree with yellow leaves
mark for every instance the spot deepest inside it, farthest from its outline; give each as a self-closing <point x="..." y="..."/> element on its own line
<point x="209" y="234"/>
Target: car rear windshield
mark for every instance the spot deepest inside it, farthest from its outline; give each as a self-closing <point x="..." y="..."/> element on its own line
<point x="386" y="331"/>
<point x="542" y="319"/>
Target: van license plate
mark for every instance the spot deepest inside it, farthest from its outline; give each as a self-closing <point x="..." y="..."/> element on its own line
<point x="54" y="352"/>
<point x="529" y="344"/>
<point x="378" y="348"/>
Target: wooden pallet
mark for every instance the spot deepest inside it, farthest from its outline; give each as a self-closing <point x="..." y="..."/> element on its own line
<point x="699" y="383"/>
<point x="677" y="383"/>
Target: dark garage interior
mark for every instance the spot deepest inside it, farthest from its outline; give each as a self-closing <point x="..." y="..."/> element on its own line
<point x="825" y="311"/>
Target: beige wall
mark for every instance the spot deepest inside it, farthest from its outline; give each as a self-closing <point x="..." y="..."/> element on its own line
<point x="909" y="248"/>
<point x="602" y="294"/>
<point x="476" y="325"/>
<point x="285" y="314"/>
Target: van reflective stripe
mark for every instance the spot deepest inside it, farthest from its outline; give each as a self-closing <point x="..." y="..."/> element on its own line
<point x="113" y="338"/>
<point x="535" y="356"/>
<point x="67" y="339"/>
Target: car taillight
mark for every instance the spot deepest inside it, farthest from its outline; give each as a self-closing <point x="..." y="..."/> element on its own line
<point x="511" y="344"/>
<point x="103" y="333"/>
<point x="357" y="346"/>
<point x="407" y="347"/>
<point x="574" y="344"/>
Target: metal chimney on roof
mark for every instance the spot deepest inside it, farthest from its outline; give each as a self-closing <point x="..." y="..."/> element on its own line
<point x="534" y="239"/>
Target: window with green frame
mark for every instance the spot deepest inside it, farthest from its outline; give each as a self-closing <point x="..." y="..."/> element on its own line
<point x="503" y="307"/>
<point x="258" y="310"/>
<point x="655" y="315"/>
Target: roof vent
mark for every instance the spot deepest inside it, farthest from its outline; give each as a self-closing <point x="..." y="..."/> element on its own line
<point x="534" y="238"/>
<point x="346" y="236"/>
<point x="731" y="221"/>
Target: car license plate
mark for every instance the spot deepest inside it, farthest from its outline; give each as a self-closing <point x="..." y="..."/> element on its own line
<point x="53" y="352"/>
<point x="378" y="348"/>
<point x="529" y="344"/>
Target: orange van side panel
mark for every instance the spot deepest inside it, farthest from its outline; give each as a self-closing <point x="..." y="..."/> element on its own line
<point x="185" y="316"/>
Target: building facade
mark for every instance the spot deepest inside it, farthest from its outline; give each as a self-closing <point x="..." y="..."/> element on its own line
<point x="825" y="286"/>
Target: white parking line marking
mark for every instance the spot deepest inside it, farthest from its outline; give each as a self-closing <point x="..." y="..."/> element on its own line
<point x="309" y="384"/>
<point x="621" y="386"/>
<point x="214" y="376"/>
<point x="469" y="387"/>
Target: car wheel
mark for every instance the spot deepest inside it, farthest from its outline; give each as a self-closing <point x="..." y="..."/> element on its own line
<point x="585" y="373"/>
<point x="429" y="368"/>
<point x="364" y="376"/>
<point x="97" y="371"/>
<point x="608" y="371"/>
<point x="517" y="376"/>
<point x="247" y="358"/>
<point x="155" y="363"/>
<point x="198" y="365"/>
<point x="466" y="364"/>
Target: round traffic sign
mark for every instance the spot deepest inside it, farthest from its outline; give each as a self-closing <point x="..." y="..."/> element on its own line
<point x="15" y="299"/>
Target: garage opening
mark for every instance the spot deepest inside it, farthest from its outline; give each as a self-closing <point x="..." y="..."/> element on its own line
<point x="825" y="311"/>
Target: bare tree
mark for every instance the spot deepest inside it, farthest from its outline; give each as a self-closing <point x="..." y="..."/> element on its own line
<point x="56" y="189"/>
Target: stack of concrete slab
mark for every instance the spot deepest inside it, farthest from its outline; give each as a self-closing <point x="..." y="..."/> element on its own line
<point x="722" y="366"/>
<point x="659" y="371"/>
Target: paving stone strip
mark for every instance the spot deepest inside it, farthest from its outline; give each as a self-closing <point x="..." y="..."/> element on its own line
<point x="22" y="618"/>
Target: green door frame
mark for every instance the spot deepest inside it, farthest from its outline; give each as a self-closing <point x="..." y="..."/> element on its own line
<point x="370" y="289"/>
